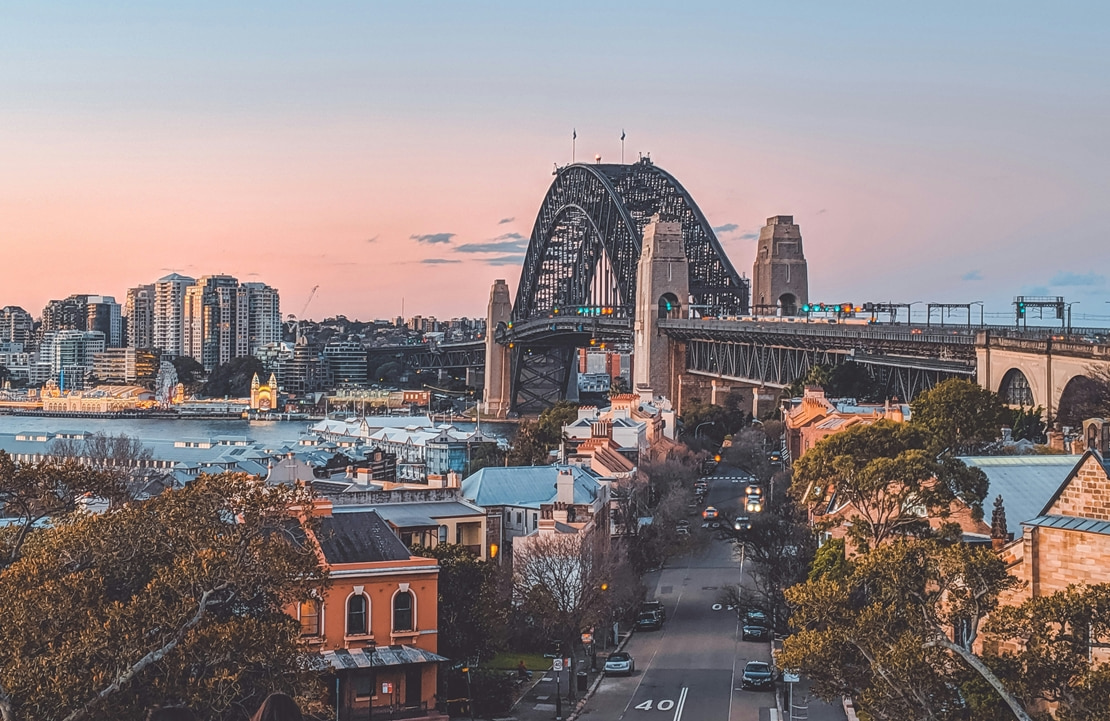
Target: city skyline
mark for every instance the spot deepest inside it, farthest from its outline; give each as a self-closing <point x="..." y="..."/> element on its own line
<point x="939" y="154"/>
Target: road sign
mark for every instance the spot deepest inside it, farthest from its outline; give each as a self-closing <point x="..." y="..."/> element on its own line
<point x="788" y="677"/>
<point x="557" y="664"/>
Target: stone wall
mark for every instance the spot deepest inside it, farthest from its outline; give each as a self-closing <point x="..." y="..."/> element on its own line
<point x="1088" y="494"/>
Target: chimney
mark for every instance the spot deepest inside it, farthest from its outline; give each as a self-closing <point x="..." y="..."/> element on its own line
<point x="436" y="480"/>
<point x="351" y="473"/>
<point x="559" y="513"/>
<point x="454" y="480"/>
<point x="999" y="533"/>
<point x="1056" y="439"/>
<point x="564" y="486"/>
<point x="1007" y="434"/>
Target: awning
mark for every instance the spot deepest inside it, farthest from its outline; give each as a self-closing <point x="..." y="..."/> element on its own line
<point x="378" y="656"/>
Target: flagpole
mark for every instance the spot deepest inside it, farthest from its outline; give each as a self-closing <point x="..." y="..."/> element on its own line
<point x="573" y="141"/>
<point x="622" y="146"/>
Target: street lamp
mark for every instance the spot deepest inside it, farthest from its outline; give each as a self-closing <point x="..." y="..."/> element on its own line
<point x="697" y="428"/>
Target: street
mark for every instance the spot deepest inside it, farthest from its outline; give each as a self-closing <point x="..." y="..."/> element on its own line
<point x="691" y="668"/>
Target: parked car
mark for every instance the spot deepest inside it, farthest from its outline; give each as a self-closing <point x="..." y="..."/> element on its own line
<point x="755" y="632"/>
<point x="755" y="617"/>
<point x="649" y="621"/>
<point x="620" y="662"/>
<point x="757" y="674"/>
<point x="710" y="513"/>
<point x="654" y="607"/>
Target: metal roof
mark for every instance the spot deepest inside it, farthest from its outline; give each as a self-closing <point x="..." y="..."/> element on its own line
<point x="526" y="486"/>
<point x="359" y="538"/>
<point x="1025" y="483"/>
<point x="1071" y="523"/>
<point x="378" y="656"/>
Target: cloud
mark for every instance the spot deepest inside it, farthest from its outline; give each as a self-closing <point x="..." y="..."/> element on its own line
<point x="439" y="261"/>
<point x="507" y="243"/>
<point x="1034" y="290"/>
<point x="972" y="275"/>
<point x="505" y="260"/>
<point x="1068" y="278"/>
<point x="433" y="238"/>
<point x="726" y="228"/>
<point x="373" y="240"/>
<point x="505" y="220"/>
<point x="823" y="210"/>
<point x="749" y="236"/>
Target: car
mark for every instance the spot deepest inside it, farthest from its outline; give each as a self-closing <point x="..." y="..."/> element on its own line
<point x="701" y="486"/>
<point x="710" y="513"/>
<point x="649" y="621"/>
<point x="654" y="607"/>
<point x="755" y="632"/>
<point x="757" y="674"/>
<point x="755" y="617"/>
<point x="620" y="662"/>
<point x="742" y="523"/>
<point x="754" y="505"/>
<point x="754" y="489"/>
<point x="682" y="522"/>
<point x="682" y="530"/>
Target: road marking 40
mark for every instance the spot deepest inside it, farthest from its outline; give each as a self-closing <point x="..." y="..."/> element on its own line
<point x="666" y="704"/>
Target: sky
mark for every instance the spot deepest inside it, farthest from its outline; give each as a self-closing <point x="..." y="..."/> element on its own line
<point x="396" y="154"/>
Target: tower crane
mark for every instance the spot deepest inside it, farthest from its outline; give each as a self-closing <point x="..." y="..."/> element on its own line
<point x="304" y="309"/>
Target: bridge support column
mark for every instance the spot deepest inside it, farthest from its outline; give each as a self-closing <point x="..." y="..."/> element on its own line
<point x="763" y="401"/>
<point x="662" y="291"/>
<point x="497" y="395"/>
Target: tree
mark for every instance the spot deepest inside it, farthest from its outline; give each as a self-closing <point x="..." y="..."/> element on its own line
<point x="1054" y="635"/>
<point x="960" y="415"/>
<point x="846" y="380"/>
<point x="888" y="478"/>
<point x="233" y="379"/>
<point x="619" y="386"/>
<point x="31" y="493"/>
<point x="5" y="374"/>
<point x="122" y="456"/>
<point x="1028" y="424"/>
<point x="472" y="611"/>
<point x="897" y="633"/>
<point x="178" y="598"/>
<point x="190" y="373"/>
<point x="536" y="439"/>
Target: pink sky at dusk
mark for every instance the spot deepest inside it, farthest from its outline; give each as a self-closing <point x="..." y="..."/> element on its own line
<point x="904" y="185"/>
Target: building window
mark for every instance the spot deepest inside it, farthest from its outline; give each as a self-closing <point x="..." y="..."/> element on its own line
<point x="518" y="518"/>
<point x="443" y="534"/>
<point x="310" y="618"/>
<point x="356" y="615"/>
<point x="535" y="521"/>
<point x="402" y="611"/>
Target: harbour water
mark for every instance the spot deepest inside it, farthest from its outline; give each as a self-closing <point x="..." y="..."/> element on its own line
<point x="173" y="429"/>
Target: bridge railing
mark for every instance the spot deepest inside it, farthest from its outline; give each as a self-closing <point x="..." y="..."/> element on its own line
<point x="1046" y="345"/>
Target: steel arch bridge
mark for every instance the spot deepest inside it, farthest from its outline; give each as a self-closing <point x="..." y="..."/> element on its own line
<point x="582" y="262"/>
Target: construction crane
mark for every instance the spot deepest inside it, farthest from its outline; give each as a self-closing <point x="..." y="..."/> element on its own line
<point x="304" y="309"/>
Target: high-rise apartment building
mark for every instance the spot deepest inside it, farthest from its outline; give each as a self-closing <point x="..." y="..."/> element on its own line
<point x="347" y="360"/>
<point x="169" y="314"/>
<point x="71" y="354"/>
<point x="16" y="326"/>
<point x="69" y="314"/>
<point x="212" y="321"/>
<point x="103" y="313"/>
<point x="264" y="316"/>
<point x="138" y="313"/>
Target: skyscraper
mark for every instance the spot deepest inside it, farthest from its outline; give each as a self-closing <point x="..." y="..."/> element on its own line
<point x="264" y="316"/>
<point x="103" y="313"/>
<point x="215" y="329"/>
<point x="169" y="314"/>
<point x="16" y="326"/>
<point x="138" y="312"/>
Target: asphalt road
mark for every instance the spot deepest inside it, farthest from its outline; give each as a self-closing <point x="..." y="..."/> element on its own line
<point x="691" y="668"/>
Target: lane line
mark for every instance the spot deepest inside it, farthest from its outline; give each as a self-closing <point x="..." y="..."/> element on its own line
<point x="643" y="675"/>
<point x="736" y="638"/>
<point x="681" y="703"/>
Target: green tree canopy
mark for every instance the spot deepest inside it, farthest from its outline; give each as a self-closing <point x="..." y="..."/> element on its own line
<point x="536" y="439"/>
<point x="960" y="415"/>
<point x="884" y="633"/>
<point x="190" y="373"/>
<point x="889" y="478"/>
<point x="233" y="379"/>
<point x="473" y="611"/>
<point x="177" y="599"/>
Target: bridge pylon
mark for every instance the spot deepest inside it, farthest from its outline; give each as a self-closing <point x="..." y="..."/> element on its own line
<point x="662" y="291"/>
<point x="497" y="395"/>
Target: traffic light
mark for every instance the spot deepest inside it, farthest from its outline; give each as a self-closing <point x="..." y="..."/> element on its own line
<point x="1021" y="309"/>
<point x="805" y="308"/>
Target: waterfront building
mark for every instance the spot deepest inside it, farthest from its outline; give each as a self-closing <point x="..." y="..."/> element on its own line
<point x="347" y="359"/>
<point x="100" y="399"/>
<point x="138" y="313"/>
<point x="16" y="326"/>
<point x="305" y="371"/>
<point x="126" y="366"/>
<point x="169" y="314"/>
<point x="71" y="355"/>
<point x="214" y="328"/>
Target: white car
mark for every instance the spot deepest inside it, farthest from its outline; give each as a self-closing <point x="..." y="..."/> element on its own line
<point x="620" y="662"/>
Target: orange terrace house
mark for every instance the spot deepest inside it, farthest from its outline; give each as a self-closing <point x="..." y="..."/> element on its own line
<point x="375" y="627"/>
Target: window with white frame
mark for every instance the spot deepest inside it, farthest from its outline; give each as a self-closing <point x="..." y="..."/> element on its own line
<point x="358" y="608"/>
<point x="402" y="611"/>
